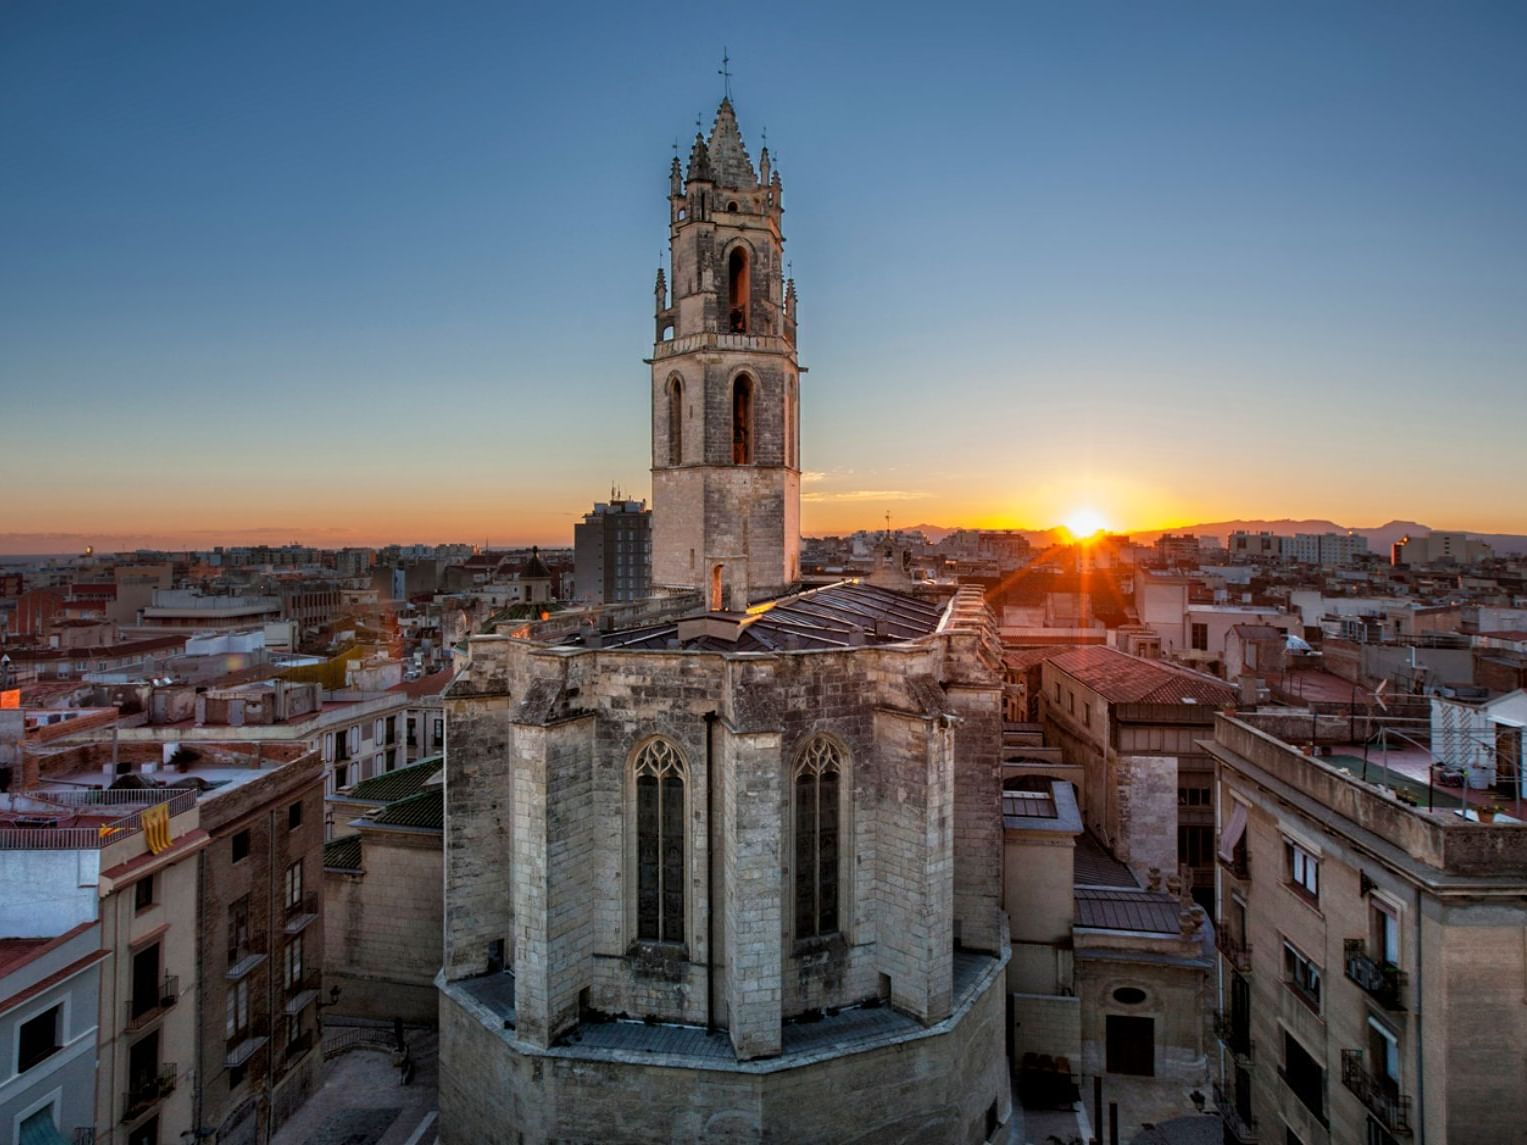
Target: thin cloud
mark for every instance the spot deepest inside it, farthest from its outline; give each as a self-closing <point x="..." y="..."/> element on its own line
<point x="867" y="495"/>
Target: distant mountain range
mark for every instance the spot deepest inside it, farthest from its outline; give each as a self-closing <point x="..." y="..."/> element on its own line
<point x="1380" y="537"/>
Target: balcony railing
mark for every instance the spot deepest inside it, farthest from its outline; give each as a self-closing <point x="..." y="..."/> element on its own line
<point x="1384" y="981"/>
<point x="301" y="912"/>
<point x="1237" y="1128"/>
<point x="1239" y="864"/>
<point x="299" y="1045"/>
<point x="1381" y="1095"/>
<point x="1237" y="950"/>
<point x="142" y="1011"/>
<point x="1235" y="1035"/>
<point x="244" y="1043"/>
<point x="142" y="1094"/>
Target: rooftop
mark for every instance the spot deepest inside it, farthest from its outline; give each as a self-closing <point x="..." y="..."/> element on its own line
<point x="843" y="615"/>
<point x="1124" y="679"/>
<point x="400" y="783"/>
<point x="1109" y="909"/>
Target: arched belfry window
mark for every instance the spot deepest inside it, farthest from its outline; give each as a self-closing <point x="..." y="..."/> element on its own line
<point x="737" y="291"/>
<point x="675" y="421"/>
<point x="660" y="778"/>
<point x="818" y="783"/>
<point x="742" y="421"/>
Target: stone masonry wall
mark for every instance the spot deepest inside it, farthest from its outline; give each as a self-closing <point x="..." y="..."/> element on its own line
<point x="935" y="1088"/>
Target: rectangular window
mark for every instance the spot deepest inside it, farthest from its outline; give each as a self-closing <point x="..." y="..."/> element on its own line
<point x="411" y="736"/>
<point x="439" y="732"/>
<point x="1193" y="797"/>
<point x="1384" y="1057"/>
<point x="143" y="893"/>
<point x="236" y="1020"/>
<point x="1087" y="715"/>
<point x="293" y="970"/>
<point x="240" y="846"/>
<point x="1304" y="1077"/>
<point x="1302" y="975"/>
<point x="1195" y="845"/>
<point x="39" y="1038"/>
<point x="294" y="885"/>
<point x="294" y="816"/>
<point x="238" y="930"/>
<point x="1200" y="637"/>
<point x="341" y="776"/>
<point x="1384" y="931"/>
<point x="1303" y="870"/>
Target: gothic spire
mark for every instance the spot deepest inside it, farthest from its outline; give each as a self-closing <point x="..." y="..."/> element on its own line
<point x="729" y="158"/>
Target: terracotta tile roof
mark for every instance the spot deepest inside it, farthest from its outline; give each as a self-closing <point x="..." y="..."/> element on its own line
<point x="1257" y="632"/>
<point x="1022" y="658"/>
<point x="432" y="685"/>
<point x="1124" y="679"/>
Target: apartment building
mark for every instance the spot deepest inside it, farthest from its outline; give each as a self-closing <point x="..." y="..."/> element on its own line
<point x="124" y="863"/>
<point x="50" y="998"/>
<point x="1372" y="958"/>
<point x="1132" y="725"/>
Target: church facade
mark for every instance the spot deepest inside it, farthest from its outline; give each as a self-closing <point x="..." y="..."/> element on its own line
<point x="730" y="871"/>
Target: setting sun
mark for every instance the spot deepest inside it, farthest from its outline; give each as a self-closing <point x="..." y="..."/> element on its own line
<point x="1084" y="523"/>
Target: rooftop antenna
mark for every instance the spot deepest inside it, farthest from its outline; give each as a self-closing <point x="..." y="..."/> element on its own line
<point x="725" y="74"/>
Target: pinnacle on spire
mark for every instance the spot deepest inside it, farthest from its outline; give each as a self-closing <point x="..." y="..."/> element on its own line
<point x="675" y="174"/>
<point x="699" y="161"/>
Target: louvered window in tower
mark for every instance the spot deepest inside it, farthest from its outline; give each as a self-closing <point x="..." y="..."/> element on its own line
<point x="742" y="421"/>
<point x="737" y="291"/>
<point x="818" y="779"/>
<point x="660" y="780"/>
<point x="675" y="422"/>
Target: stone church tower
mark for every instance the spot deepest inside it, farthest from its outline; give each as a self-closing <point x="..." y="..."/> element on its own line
<point x="726" y="471"/>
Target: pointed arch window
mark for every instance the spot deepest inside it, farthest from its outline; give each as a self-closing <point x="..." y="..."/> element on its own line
<point x="675" y="421"/>
<point x="660" y="780"/>
<point x="742" y="421"/>
<point x="737" y="291"/>
<point x="818" y="783"/>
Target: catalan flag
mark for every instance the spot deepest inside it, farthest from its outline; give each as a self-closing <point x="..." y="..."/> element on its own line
<point x="156" y="827"/>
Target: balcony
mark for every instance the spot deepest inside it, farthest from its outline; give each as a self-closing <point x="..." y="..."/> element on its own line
<point x="303" y="991"/>
<point x="1237" y="950"/>
<point x="1238" y="865"/>
<point x="1381" y="1095"/>
<point x="302" y="912"/>
<point x="142" y="1095"/>
<point x="244" y="1044"/>
<point x="1236" y="1037"/>
<point x="141" y="1011"/>
<point x="299" y="1045"/>
<point x="1237" y="1128"/>
<point x="1384" y="981"/>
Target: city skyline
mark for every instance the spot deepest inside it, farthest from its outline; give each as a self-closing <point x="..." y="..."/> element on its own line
<point x="1040" y="272"/>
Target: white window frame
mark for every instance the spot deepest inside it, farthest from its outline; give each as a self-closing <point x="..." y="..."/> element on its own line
<point x="26" y="1016"/>
<point x="1304" y="867"/>
<point x="1310" y="967"/>
<point x="53" y="1102"/>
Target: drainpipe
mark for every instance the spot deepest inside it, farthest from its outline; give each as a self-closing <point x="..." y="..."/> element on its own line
<point x="1420" y="1128"/>
<point x="710" y="874"/>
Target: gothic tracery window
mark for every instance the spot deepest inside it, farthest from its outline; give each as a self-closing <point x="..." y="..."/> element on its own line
<point x="737" y="291"/>
<point x="660" y="778"/>
<point x="818" y="779"/>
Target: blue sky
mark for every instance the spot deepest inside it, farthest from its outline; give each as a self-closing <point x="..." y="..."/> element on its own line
<point x="356" y="271"/>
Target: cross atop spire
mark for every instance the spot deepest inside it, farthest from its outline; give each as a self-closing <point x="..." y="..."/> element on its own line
<point x="725" y="73"/>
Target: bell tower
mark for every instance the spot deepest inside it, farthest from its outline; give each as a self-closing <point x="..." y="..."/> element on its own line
<point x="726" y="470"/>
